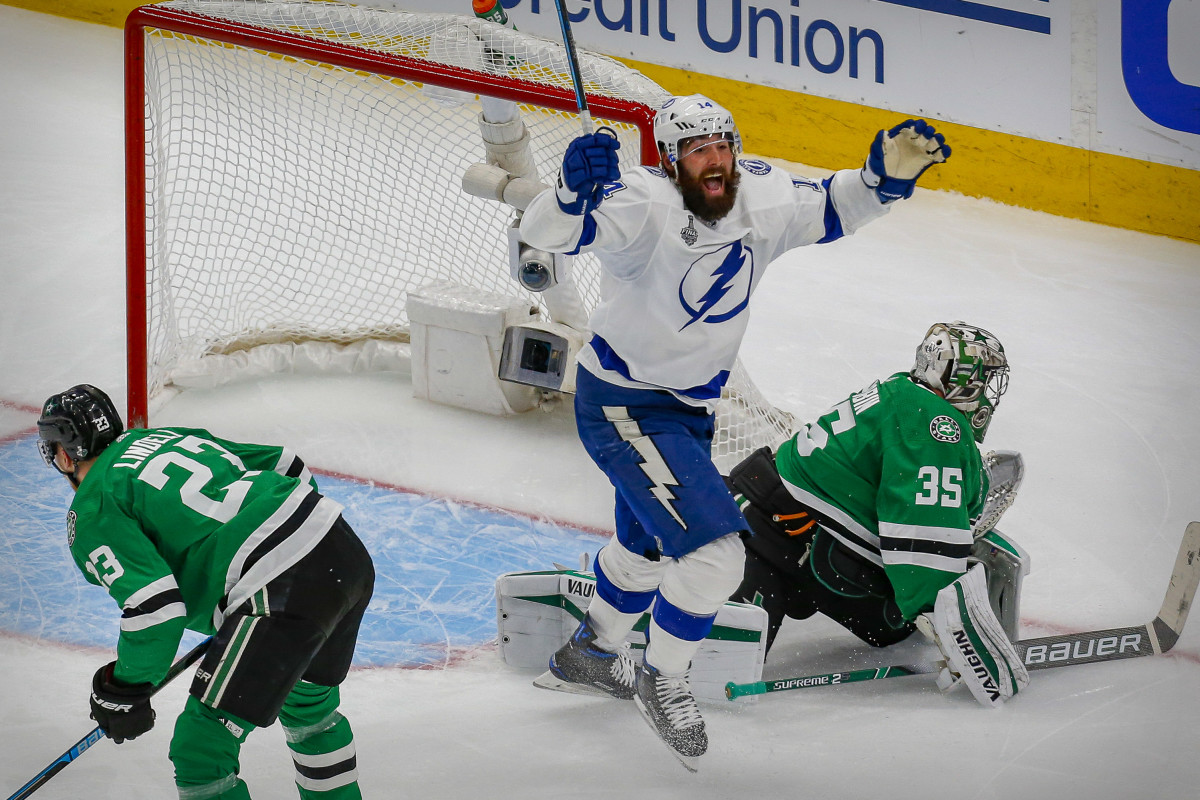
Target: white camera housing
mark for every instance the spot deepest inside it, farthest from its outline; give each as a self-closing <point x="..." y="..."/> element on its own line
<point x="536" y="270"/>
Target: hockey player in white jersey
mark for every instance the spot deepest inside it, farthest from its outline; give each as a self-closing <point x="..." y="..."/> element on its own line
<point x="682" y="247"/>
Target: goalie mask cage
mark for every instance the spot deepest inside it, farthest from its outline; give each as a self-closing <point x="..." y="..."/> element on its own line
<point x="294" y="169"/>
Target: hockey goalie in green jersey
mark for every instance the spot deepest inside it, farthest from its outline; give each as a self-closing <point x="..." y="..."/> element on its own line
<point x="188" y="531"/>
<point x="880" y="515"/>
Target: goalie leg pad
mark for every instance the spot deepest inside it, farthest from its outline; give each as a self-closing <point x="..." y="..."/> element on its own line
<point x="774" y="591"/>
<point x="974" y="643"/>
<point x="1007" y="564"/>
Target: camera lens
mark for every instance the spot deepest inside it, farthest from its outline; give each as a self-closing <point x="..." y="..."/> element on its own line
<point x="534" y="276"/>
<point x="536" y="356"/>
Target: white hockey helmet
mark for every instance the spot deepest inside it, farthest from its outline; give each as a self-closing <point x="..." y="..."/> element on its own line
<point x="968" y="366"/>
<point x="694" y="115"/>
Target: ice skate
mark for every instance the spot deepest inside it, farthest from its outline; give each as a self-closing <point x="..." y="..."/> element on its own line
<point x="668" y="706"/>
<point x="582" y="668"/>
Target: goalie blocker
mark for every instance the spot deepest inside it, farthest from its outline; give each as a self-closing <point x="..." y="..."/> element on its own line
<point x="536" y="612"/>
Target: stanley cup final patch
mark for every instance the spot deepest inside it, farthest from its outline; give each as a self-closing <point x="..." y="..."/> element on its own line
<point x="70" y="528"/>
<point x="945" y="429"/>
<point x="688" y="234"/>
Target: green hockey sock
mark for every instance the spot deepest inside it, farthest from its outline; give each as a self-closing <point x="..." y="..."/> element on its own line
<point x="205" y="750"/>
<point x="322" y="743"/>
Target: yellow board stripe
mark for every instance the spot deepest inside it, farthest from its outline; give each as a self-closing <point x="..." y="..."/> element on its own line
<point x="831" y="134"/>
<point x="1042" y="176"/>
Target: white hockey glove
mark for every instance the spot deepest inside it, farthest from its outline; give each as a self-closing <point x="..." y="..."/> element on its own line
<point x="977" y="651"/>
<point x="899" y="156"/>
<point x="1006" y="470"/>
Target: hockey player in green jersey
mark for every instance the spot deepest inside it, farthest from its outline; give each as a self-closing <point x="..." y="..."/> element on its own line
<point x="871" y="515"/>
<point x="188" y="531"/>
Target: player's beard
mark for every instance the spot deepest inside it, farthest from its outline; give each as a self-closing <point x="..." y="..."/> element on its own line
<point x="709" y="209"/>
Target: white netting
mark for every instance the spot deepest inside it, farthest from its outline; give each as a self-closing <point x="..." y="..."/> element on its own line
<point x="288" y="199"/>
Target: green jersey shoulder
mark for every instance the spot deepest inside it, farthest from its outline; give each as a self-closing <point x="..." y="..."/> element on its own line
<point x="180" y="526"/>
<point x="896" y="467"/>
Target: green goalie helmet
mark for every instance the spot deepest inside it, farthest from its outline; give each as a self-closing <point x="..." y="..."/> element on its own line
<point x="967" y="365"/>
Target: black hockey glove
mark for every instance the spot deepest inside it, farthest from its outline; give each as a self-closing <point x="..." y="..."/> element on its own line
<point x="122" y="710"/>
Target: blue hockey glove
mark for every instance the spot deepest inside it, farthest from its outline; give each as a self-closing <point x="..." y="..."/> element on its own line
<point x="899" y="156"/>
<point x="589" y="163"/>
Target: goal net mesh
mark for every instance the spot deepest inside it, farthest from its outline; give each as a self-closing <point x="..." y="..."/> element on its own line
<point x="290" y="197"/>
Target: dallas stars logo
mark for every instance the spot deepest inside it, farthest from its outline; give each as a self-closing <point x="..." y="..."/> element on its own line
<point x="944" y="429"/>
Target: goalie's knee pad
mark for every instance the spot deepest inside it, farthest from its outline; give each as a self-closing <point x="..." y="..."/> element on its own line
<point x="701" y="581"/>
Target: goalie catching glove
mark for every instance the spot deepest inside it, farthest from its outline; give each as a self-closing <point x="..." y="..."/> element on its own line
<point x="1006" y="470"/>
<point x="977" y="652"/>
<point x="122" y="710"/>
<point x="899" y="156"/>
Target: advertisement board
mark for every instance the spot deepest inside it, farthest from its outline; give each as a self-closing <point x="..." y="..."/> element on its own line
<point x="1148" y="80"/>
<point x="1117" y="76"/>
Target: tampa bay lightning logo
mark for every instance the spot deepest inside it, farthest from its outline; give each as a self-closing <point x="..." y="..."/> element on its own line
<point x="754" y="166"/>
<point x="717" y="286"/>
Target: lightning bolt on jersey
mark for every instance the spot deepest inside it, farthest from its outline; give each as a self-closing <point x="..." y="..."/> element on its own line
<point x="675" y="290"/>
<point x="896" y="468"/>
<point x="180" y="526"/>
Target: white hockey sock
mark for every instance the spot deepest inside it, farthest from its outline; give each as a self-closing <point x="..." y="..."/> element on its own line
<point x="693" y="587"/>
<point x="667" y="653"/>
<point x="611" y="625"/>
<point x="629" y="575"/>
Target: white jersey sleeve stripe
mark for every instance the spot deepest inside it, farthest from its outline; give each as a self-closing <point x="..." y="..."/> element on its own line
<point x="163" y="584"/>
<point x="833" y="512"/>
<point x="143" y="621"/>
<point x="927" y="533"/>
<point x="927" y="560"/>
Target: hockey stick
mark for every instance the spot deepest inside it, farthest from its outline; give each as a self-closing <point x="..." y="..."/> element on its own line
<point x="97" y="733"/>
<point x="573" y="67"/>
<point x="1157" y="636"/>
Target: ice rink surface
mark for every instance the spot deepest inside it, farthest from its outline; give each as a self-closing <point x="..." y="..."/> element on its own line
<point x="1102" y="327"/>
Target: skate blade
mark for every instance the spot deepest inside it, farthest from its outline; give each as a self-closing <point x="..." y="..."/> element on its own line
<point x="548" y="680"/>
<point x="690" y="763"/>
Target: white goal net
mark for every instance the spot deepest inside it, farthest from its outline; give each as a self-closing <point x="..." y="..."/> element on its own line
<point x="298" y="168"/>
